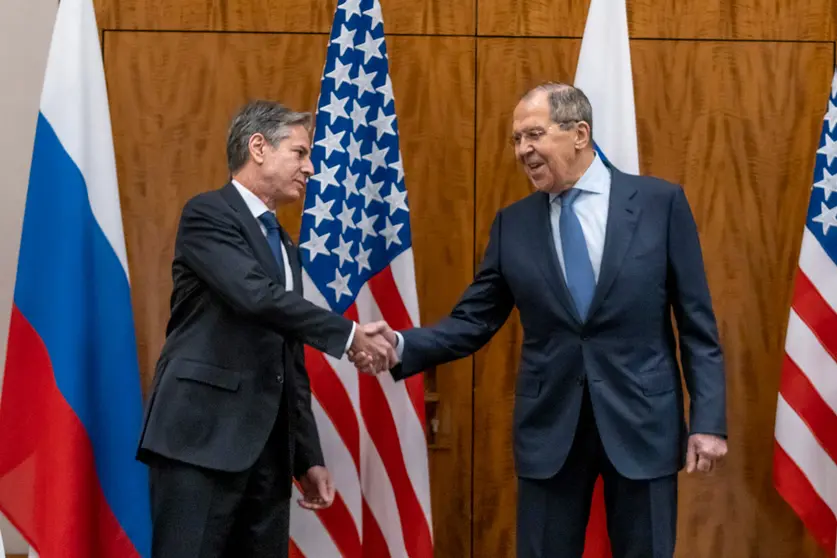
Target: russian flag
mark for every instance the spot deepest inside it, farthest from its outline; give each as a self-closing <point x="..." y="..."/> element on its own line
<point x="71" y="405"/>
<point x="604" y="74"/>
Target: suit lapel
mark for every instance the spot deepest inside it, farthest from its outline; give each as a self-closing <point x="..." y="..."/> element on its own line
<point x="547" y="257"/>
<point x="623" y="215"/>
<point x="252" y="231"/>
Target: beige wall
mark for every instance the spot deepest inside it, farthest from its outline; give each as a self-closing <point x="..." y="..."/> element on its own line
<point x="25" y="29"/>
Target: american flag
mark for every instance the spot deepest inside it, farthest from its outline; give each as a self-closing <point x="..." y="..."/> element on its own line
<point x="805" y="457"/>
<point x="358" y="261"/>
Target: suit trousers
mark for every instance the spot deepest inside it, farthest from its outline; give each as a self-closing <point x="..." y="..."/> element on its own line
<point x="552" y="513"/>
<point x="201" y="513"/>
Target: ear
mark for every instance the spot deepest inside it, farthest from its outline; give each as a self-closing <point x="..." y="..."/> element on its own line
<point x="582" y="137"/>
<point x="257" y="146"/>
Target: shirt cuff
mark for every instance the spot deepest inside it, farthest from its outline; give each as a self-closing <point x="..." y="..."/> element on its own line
<point x="351" y="337"/>
<point x="399" y="345"/>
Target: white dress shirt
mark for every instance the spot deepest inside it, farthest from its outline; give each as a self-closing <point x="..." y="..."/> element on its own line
<point x="591" y="208"/>
<point x="257" y="207"/>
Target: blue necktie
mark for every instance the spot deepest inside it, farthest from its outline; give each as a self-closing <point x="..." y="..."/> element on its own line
<point x="274" y="239"/>
<point x="578" y="270"/>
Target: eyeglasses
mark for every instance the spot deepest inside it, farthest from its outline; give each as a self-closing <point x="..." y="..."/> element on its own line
<point x="533" y="135"/>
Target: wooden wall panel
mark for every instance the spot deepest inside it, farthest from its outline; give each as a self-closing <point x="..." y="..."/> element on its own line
<point x="681" y="19"/>
<point x="172" y="95"/>
<point x="298" y="16"/>
<point x="710" y="116"/>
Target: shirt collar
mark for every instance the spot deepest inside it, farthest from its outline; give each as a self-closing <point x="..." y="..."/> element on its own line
<point x="254" y="204"/>
<point x="593" y="180"/>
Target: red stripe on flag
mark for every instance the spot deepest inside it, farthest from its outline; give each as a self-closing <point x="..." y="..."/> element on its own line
<point x="335" y="401"/>
<point x="48" y="484"/>
<point x="816" y="313"/>
<point x="392" y="308"/>
<point x="597" y="543"/>
<point x="797" y="491"/>
<point x="294" y="551"/>
<point x="338" y="521"/>
<point x="374" y="544"/>
<point x="804" y="398"/>
<point x="378" y="419"/>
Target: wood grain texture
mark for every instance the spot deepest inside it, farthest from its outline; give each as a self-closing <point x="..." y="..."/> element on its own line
<point x="172" y="95"/>
<point x="681" y="19"/>
<point x="715" y="117"/>
<point x="434" y="17"/>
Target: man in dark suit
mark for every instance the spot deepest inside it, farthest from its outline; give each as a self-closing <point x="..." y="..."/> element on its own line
<point x="595" y="261"/>
<point x="229" y="421"/>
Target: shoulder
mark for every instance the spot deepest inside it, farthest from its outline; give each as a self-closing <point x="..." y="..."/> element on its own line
<point x="523" y="208"/>
<point x="648" y="185"/>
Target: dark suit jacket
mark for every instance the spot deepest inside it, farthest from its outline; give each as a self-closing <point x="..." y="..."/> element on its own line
<point x="626" y="349"/>
<point x="233" y="348"/>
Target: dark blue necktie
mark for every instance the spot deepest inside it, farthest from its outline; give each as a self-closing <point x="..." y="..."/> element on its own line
<point x="578" y="269"/>
<point x="274" y="239"/>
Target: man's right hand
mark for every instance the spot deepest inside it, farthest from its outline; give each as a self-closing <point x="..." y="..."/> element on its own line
<point x="373" y="348"/>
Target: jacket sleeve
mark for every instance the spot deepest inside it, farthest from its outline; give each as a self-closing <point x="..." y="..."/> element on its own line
<point x="308" y="451"/>
<point x="700" y="347"/>
<point x="481" y="311"/>
<point x="213" y="246"/>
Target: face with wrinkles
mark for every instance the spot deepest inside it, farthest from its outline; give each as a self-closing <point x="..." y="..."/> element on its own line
<point x="284" y="169"/>
<point x="547" y="152"/>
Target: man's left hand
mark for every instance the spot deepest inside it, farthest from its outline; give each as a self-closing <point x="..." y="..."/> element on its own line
<point x="704" y="451"/>
<point x="317" y="489"/>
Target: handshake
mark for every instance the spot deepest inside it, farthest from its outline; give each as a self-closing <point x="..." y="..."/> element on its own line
<point x="373" y="348"/>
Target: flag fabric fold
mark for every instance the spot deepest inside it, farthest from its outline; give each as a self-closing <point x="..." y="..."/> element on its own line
<point x="604" y="74"/>
<point x="805" y="449"/>
<point x="356" y="248"/>
<point x="71" y="405"/>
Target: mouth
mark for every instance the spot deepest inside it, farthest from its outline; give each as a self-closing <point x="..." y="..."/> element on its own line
<point x="534" y="166"/>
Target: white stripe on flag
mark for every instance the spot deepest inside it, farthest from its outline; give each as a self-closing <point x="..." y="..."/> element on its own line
<point x="804" y="349"/>
<point x="604" y="74"/>
<point x="404" y="272"/>
<point x="819" y="268"/>
<point x="74" y="101"/>
<point x="804" y="450"/>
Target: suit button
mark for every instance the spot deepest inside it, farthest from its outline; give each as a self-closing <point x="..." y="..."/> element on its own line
<point x="279" y="378"/>
<point x="580" y="380"/>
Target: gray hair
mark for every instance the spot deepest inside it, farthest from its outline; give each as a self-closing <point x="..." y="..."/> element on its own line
<point x="567" y="104"/>
<point x="269" y="118"/>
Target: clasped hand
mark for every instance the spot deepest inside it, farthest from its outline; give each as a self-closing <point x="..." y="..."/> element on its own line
<point x="373" y="348"/>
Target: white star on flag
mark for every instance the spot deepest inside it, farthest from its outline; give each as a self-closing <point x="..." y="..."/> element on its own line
<point x="371" y="191"/>
<point x="342" y="251"/>
<point x="354" y="148"/>
<point x="829" y="150"/>
<point x="362" y="259"/>
<point x="828" y="183"/>
<point x="377" y="157"/>
<point x="397" y="199"/>
<point x="340" y="74"/>
<point x="367" y="225"/>
<point x="375" y="13"/>
<point x="398" y="166"/>
<point x="370" y="47"/>
<point x="383" y="124"/>
<point x="316" y="245"/>
<point x="358" y="117"/>
<point x="386" y="91"/>
<point x="831" y="116"/>
<point x="321" y="211"/>
<point x="336" y="108"/>
<point x="364" y="82"/>
<point x="828" y="217"/>
<point x="346" y="40"/>
<point x="351" y="7"/>
<point x="390" y="232"/>
<point x="340" y="285"/>
<point x="347" y="218"/>
<point x="327" y="176"/>
<point x="331" y="142"/>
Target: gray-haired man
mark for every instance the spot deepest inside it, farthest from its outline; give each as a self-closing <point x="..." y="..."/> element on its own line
<point x="229" y="422"/>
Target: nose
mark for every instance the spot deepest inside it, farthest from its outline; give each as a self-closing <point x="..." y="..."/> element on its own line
<point x="307" y="168"/>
